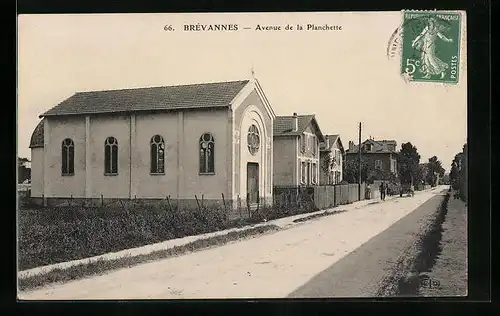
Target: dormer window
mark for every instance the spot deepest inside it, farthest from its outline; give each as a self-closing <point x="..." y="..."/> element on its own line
<point x="368" y="147"/>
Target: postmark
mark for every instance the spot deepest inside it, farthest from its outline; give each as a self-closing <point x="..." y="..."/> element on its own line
<point x="430" y="46"/>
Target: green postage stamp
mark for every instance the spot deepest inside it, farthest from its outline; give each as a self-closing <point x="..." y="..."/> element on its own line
<point x="431" y="46"/>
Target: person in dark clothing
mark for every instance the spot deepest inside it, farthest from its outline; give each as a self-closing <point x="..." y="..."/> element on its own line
<point x="382" y="191"/>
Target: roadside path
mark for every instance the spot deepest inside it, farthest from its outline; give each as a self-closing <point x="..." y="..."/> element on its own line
<point x="362" y="272"/>
<point x="450" y="269"/>
<point x="270" y="266"/>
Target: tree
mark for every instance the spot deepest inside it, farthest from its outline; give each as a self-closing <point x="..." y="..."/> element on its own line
<point x="328" y="162"/>
<point x="455" y="172"/>
<point x="446" y="179"/>
<point x="421" y="174"/>
<point x="351" y="167"/>
<point x="435" y="169"/>
<point x="379" y="174"/>
<point x="408" y="160"/>
<point x="458" y="173"/>
<point x="21" y="161"/>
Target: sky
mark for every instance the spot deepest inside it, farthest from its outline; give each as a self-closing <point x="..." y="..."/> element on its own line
<point x="342" y="76"/>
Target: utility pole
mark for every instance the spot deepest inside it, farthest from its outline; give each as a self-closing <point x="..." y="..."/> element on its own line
<point x="359" y="166"/>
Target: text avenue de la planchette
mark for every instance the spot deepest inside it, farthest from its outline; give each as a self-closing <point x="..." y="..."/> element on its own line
<point x="260" y="27"/>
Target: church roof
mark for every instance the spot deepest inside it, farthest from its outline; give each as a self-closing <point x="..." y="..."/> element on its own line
<point x="37" y="136"/>
<point x="204" y="95"/>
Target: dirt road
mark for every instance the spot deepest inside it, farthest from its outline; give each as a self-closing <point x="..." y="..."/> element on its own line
<point x="362" y="272"/>
<point x="270" y="266"/>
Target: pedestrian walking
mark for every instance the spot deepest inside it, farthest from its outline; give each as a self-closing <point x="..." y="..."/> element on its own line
<point x="382" y="191"/>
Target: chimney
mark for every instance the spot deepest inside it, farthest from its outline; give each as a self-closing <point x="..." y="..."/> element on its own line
<point x="327" y="141"/>
<point x="295" y="122"/>
<point x="351" y="144"/>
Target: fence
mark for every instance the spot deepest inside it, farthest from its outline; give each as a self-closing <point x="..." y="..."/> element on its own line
<point x="317" y="197"/>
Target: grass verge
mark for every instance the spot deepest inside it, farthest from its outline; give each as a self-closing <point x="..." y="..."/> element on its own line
<point x="429" y="248"/>
<point x="101" y="266"/>
<point x="325" y="213"/>
<point x="448" y="276"/>
<point x="59" y="234"/>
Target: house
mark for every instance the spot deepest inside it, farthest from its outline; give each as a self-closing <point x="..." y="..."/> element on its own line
<point x="23" y="170"/>
<point x="209" y="139"/>
<point x="296" y="142"/>
<point x="332" y="158"/>
<point x="378" y="155"/>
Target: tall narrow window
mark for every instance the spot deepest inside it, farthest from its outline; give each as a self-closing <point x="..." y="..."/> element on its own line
<point x="303" y="167"/>
<point x="111" y="156"/>
<point x="314" y="145"/>
<point x="207" y="151"/>
<point x="314" y="173"/>
<point x="253" y="139"/>
<point x="303" y="144"/>
<point x="308" y="170"/>
<point x="157" y="155"/>
<point x="68" y="157"/>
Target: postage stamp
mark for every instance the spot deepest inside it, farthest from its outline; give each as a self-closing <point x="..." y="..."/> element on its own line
<point x="431" y="46"/>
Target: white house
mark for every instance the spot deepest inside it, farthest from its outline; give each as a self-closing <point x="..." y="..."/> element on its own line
<point x="209" y="139"/>
<point x="332" y="160"/>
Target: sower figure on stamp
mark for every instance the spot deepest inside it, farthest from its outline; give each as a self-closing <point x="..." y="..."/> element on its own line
<point x="426" y="43"/>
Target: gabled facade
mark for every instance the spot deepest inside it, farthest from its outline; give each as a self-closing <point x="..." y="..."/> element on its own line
<point x="211" y="139"/>
<point x="296" y="151"/>
<point x="377" y="154"/>
<point x="332" y="160"/>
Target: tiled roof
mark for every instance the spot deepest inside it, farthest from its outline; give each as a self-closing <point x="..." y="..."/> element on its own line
<point x="332" y="138"/>
<point x="204" y="95"/>
<point x="283" y="125"/>
<point x="378" y="146"/>
<point x="37" y="136"/>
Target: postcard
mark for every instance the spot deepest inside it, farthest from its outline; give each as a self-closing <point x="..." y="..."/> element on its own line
<point x="242" y="155"/>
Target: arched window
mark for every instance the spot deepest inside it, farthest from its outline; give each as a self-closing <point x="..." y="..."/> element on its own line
<point x="157" y="154"/>
<point x="253" y="139"/>
<point x="207" y="152"/>
<point x="111" y="156"/>
<point x="68" y="157"/>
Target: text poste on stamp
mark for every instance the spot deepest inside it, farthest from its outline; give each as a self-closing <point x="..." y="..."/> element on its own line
<point x="431" y="46"/>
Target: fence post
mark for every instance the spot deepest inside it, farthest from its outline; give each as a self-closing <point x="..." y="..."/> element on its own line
<point x="224" y="202"/>
<point x="102" y="200"/>
<point x="169" y="204"/>
<point x="334" y="195"/>
<point x="239" y="205"/>
<point x="197" y="202"/>
<point x="248" y="205"/>
<point x="258" y="200"/>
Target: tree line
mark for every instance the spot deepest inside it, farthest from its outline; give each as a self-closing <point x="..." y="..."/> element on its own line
<point x="410" y="170"/>
<point x="458" y="173"/>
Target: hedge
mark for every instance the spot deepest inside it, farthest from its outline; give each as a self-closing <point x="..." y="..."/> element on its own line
<point x="52" y="235"/>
